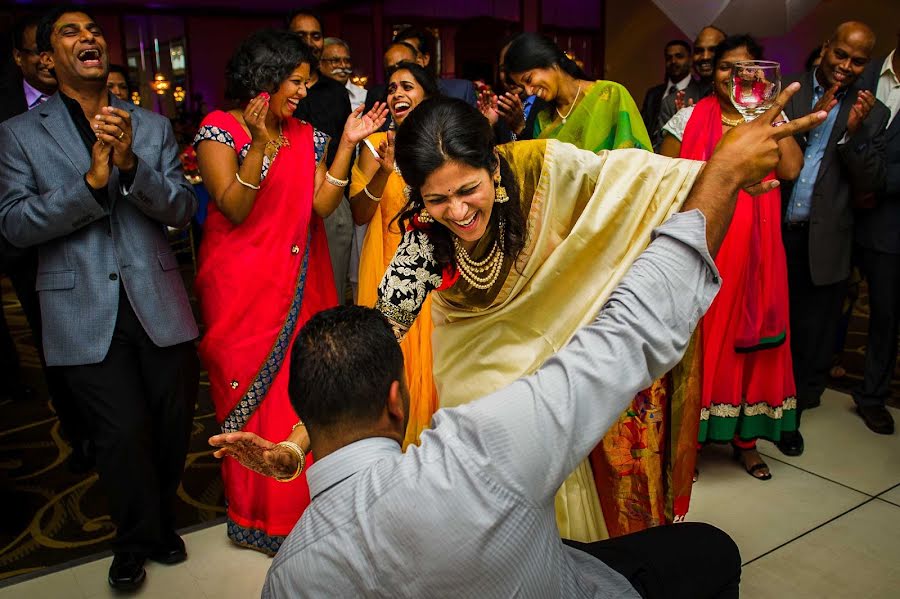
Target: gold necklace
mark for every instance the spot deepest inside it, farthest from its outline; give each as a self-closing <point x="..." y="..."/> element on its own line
<point x="730" y="122"/>
<point x="276" y="144"/>
<point x="571" y="108"/>
<point x="481" y="274"/>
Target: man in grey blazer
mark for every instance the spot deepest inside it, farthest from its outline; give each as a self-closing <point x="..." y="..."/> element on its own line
<point x="93" y="183"/>
<point x="844" y="155"/>
<point x="877" y="236"/>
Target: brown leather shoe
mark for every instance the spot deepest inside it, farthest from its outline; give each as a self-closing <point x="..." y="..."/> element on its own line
<point x="877" y="418"/>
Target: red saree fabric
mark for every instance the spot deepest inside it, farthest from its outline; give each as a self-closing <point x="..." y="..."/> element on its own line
<point x="744" y="335"/>
<point x="258" y="283"/>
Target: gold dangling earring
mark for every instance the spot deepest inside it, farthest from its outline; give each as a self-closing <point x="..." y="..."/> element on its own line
<point x="424" y="217"/>
<point x="500" y="195"/>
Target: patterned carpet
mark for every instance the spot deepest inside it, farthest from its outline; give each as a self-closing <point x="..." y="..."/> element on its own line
<point x="52" y="516"/>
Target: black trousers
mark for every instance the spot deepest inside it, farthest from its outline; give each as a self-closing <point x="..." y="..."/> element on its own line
<point x="140" y="403"/>
<point x="815" y="314"/>
<point x="22" y="272"/>
<point x="882" y="273"/>
<point x="682" y="561"/>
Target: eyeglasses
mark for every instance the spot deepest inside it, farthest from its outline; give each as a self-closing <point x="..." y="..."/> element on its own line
<point x="338" y="60"/>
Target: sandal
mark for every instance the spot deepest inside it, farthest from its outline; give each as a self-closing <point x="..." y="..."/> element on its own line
<point x="755" y="468"/>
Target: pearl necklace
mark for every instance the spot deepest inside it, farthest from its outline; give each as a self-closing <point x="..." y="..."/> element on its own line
<point x="484" y="273"/>
<point x="571" y="108"/>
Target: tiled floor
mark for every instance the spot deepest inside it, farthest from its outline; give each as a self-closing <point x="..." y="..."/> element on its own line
<point x="826" y="526"/>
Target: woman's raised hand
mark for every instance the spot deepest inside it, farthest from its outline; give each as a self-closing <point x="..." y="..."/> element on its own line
<point x="359" y="126"/>
<point x="385" y="156"/>
<point x="255" y="117"/>
<point x="487" y="104"/>
<point x="255" y="453"/>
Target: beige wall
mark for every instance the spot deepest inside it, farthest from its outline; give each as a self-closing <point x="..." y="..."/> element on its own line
<point x="636" y="31"/>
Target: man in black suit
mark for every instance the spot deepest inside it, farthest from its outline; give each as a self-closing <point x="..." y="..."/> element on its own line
<point x="677" y="55"/>
<point x="842" y="157"/>
<point x="704" y="50"/>
<point x="877" y="235"/>
<point x="327" y="107"/>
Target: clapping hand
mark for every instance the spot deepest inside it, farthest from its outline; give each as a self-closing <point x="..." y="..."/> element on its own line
<point x="679" y="100"/>
<point x="487" y="104"/>
<point x="510" y="108"/>
<point x="255" y="453"/>
<point x="113" y="128"/>
<point x="385" y="156"/>
<point x="359" y="126"/>
<point x="255" y="117"/>
<point x="865" y="100"/>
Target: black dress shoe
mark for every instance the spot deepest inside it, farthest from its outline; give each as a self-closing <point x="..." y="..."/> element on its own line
<point x="791" y="444"/>
<point x="170" y="551"/>
<point x="877" y="418"/>
<point x="127" y="571"/>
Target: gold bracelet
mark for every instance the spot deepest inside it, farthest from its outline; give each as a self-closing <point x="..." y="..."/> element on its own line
<point x="371" y="196"/>
<point x="335" y="181"/>
<point x="244" y="183"/>
<point x="298" y="425"/>
<point x="301" y="457"/>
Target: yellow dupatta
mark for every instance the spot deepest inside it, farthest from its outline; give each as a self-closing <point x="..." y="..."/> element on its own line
<point x="379" y="247"/>
<point x="588" y="219"/>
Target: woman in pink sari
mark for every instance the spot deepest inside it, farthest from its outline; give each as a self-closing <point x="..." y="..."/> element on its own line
<point x="264" y="267"/>
<point x="747" y="384"/>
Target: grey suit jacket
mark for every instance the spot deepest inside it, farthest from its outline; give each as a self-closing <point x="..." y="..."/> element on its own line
<point x="86" y="249"/>
<point x="858" y="164"/>
<point x="667" y="110"/>
<point x="878" y="228"/>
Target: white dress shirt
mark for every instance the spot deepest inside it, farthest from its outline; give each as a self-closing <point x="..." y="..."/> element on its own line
<point x="888" y="90"/>
<point x="357" y="94"/>
<point x="470" y="512"/>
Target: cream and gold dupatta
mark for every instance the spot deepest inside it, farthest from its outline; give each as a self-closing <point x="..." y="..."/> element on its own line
<point x="588" y="216"/>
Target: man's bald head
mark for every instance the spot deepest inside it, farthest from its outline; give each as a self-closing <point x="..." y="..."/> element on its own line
<point x="846" y="54"/>
<point x="705" y="48"/>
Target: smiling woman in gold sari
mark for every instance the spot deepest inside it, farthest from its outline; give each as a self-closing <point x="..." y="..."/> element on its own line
<point x="523" y="243"/>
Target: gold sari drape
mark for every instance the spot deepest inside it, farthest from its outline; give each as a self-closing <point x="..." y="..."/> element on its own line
<point x="379" y="247"/>
<point x="588" y="216"/>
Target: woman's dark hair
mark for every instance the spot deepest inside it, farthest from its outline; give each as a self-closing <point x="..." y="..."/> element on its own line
<point x="442" y="130"/>
<point x="733" y="42"/>
<point x="343" y="363"/>
<point x="420" y="74"/>
<point x="534" y="51"/>
<point x="263" y="61"/>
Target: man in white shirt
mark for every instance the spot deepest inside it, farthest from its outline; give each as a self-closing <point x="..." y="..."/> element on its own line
<point x="337" y="64"/>
<point x="877" y="237"/>
<point x="677" y="55"/>
<point x="470" y="511"/>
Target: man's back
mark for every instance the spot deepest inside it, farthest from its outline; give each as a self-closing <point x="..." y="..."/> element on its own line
<point x="410" y="525"/>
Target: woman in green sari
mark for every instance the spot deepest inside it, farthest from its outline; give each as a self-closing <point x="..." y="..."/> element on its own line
<point x="592" y="115"/>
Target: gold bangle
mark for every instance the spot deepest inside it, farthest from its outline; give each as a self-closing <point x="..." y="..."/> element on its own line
<point x="371" y="196"/>
<point x="244" y="183"/>
<point x="301" y="457"/>
<point x="298" y="425"/>
<point x="335" y="181"/>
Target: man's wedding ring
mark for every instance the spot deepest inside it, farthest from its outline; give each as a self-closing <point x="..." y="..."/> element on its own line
<point x="121" y="135"/>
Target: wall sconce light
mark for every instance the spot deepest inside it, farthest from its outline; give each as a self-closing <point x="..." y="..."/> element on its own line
<point x="136" y="98"/>
<point x="160" y="84"/>
<point x="360" y="80"/>
<point x="178" y="94"/>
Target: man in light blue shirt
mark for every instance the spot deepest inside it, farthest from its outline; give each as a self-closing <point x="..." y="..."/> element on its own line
<point x="470" y="511"/>
<point x="844" y="158"/>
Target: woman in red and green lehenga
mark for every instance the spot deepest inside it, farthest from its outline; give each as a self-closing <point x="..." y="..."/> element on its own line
<point x="747" y="381"/>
